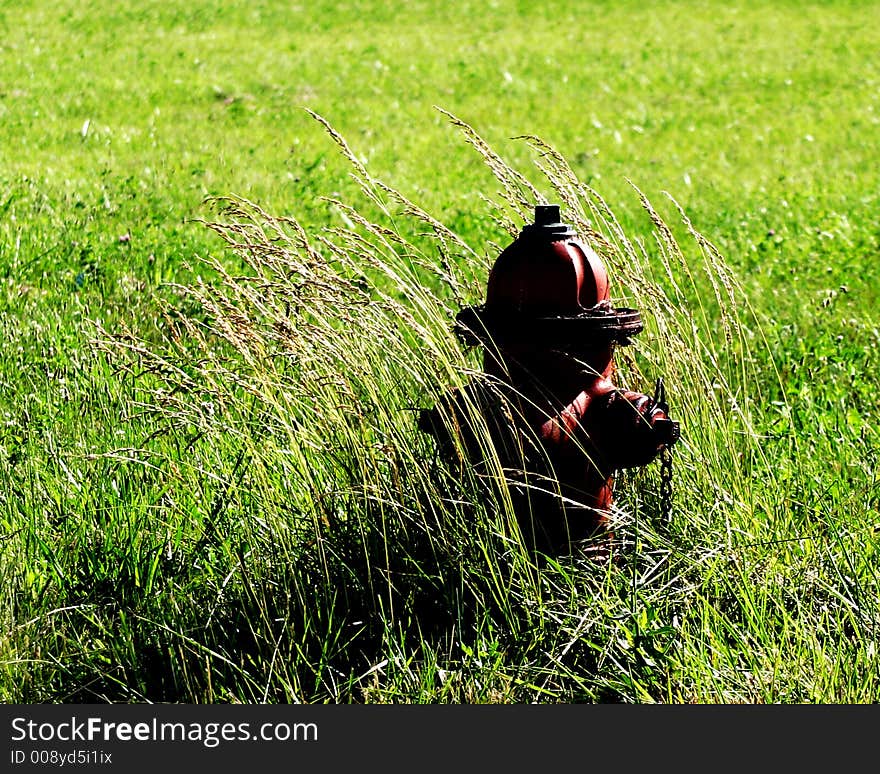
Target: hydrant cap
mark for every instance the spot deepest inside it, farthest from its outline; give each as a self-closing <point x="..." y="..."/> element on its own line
<point x="548" y="224"/>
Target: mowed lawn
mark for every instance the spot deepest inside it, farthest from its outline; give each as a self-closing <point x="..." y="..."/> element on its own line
<point x="118" y="120"/>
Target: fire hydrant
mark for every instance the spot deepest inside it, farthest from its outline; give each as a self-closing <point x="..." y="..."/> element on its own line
<point x="558" y="424"/>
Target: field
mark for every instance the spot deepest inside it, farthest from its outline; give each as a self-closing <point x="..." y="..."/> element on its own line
<point x="233" y="236"/>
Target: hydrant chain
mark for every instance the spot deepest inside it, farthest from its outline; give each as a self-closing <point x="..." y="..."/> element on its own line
<point x="666" y="484"/>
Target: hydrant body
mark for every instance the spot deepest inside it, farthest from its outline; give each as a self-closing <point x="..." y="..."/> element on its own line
<point x="559" y="425"/>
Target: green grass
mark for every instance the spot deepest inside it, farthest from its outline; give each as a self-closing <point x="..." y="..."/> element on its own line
<point x="196" y="511"/>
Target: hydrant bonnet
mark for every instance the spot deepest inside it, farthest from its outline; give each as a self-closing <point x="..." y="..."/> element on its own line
<point x="548" y="286"/>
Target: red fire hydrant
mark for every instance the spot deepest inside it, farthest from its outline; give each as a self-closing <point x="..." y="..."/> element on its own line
<point x="559" y="425"/>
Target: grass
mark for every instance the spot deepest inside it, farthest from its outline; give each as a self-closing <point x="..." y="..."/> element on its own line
<point x="214" y="487"/>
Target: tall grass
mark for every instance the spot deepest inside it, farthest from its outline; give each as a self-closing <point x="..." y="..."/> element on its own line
<point x="311" y="544"/>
